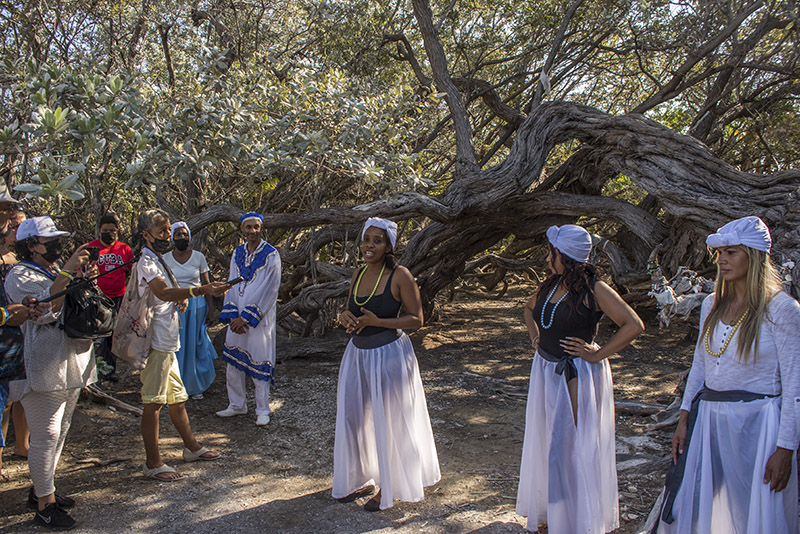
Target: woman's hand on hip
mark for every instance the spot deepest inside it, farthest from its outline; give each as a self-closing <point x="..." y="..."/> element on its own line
<point x="575" y="346"/>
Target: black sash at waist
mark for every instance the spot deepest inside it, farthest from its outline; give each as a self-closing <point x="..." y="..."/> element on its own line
<point x="561" y="362"/>
<point x="379" y="339"/>
<point x="675" y="472"/>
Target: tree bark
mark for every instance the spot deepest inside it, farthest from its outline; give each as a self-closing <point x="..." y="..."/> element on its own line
<point x="696" y="190"/>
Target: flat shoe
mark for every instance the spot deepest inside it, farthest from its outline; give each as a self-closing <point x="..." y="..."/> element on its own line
<point x="363" y="492"/>
<point x="374" y="504"/>
<point x="189" y="456"/>
<point x="230" y="412"/>
<point x="155" y="471"/>
<point x="262" y="420"/>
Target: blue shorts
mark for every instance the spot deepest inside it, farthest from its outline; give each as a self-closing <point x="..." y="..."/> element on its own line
<point x="3" y="401"/>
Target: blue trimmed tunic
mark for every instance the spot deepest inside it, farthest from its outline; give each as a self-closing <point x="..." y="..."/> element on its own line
<point x="255" y="301"/>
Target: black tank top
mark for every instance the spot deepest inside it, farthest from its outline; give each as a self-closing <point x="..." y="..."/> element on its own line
<point x="582" y="323"/>
<point x="383" y="306"/>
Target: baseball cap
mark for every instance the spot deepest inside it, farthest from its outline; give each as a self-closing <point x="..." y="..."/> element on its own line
<point x="38" y="226"/>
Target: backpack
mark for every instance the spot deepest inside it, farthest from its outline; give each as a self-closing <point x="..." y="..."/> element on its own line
<point x="132" y="332"/>
<point x="87" y="313"/>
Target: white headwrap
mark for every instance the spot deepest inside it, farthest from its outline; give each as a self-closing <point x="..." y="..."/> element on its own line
<point x="571" y="240"/>
<point x="389" y="226"/>
<point x="748" y="231"/>
<point x="181" y="224"/>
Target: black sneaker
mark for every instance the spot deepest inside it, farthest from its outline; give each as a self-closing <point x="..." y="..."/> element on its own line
<point x="63" y="502"/>
<point x="54" y="518"/>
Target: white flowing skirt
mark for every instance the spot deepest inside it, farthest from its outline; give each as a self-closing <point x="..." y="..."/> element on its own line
<point x="383" y="432"/>
<point x="723" y="490"/>
<point x="568" y="476"/>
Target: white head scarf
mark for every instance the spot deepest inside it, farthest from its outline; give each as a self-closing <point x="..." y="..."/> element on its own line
<point x="748" y="231"/>
<point x="389" y="226"/>
<point x="181" y="224"/>
<point x="571" y="240"/>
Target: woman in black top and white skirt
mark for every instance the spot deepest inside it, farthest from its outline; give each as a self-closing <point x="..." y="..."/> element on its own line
<point x="568" y="476"/>
<point x="383" y="432"/>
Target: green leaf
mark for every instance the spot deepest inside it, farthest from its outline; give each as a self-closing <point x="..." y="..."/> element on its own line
<point x="27" y="188"/>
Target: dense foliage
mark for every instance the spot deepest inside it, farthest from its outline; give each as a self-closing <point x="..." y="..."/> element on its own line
<point x="290" y="107"/>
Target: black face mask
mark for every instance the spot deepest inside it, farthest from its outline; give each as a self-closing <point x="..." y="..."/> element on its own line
<point x="162" y="246"/>
<point x="53" y="250"/>
<point x="181" y="244"/>
<point x="107" y="238"/>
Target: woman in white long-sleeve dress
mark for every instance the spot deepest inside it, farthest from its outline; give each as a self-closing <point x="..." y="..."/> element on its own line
<point x="568" y="476"/>
<point x="734" y="466"/>
<point x="383" y="432"/>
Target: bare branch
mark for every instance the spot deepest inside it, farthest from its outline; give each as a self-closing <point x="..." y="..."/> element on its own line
<point x="466" y="161"/>
<point x="673" y="87"/>
<point x="543" y="86"/>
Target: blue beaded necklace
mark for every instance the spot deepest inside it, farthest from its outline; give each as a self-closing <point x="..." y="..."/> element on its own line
<point x="553" y="311"/>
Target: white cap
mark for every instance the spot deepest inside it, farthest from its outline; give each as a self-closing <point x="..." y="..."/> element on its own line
<point x="38" y="226"/>
<point x="181" y="224"/>
<point x="390" y="227"/>
<point x="571" y="240"/>
<point x="748" y="231"/>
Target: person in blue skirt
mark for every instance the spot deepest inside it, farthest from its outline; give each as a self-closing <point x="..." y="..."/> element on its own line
<point x="196" y="355"/>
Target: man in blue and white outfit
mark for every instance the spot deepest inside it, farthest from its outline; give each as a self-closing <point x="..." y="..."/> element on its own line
<point x="250" y="313"/>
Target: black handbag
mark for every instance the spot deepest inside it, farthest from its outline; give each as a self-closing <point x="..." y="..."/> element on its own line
<point x="87" y="313"/>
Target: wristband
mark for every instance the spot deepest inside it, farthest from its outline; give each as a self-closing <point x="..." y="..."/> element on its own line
<point x="3" y="316"/>
<point x="65" y="273"/>
<point x="191" y="292"/>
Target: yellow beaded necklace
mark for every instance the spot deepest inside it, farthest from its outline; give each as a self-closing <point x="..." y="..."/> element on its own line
<point x="358" y="281"/>
<point x="728" y="340"/>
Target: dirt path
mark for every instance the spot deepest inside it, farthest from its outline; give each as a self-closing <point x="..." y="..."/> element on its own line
<point x="475" y="365"/>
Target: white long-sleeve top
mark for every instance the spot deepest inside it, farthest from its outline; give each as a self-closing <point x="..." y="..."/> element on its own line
<point x="775" y="370"/>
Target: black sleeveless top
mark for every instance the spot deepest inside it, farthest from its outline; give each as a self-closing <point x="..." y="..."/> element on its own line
<point x="582" y="323"/>
<point x="383" y="306"/>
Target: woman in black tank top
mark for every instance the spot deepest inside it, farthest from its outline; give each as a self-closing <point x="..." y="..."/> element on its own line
<point x="383" y="432"/>
<point x="568" y="472"/>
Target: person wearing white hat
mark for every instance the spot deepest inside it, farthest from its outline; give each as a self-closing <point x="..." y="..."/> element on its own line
<point x="383" y="431"/>
<point x="251" y="313"/>
<point x="568" y="476"/>
<point x="13" y="336"/>
<point x="197" y="354"/>
<point x="734" y="464"/>
<point x="8" y="205"/>
<point x="57" y="367"/>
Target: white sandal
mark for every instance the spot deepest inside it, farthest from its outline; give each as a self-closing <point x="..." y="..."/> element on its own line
<point x="189" y="456"/>
<point x="155" y="471"/>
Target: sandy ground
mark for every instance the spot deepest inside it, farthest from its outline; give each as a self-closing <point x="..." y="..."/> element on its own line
<point x="475" y="365"/>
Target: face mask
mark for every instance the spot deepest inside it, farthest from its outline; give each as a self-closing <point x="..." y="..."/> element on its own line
<point x="53" y="250"/>
<point x="181" y="244"/>
<point x="162" y="246"/>
<point x="107" y="238"/>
